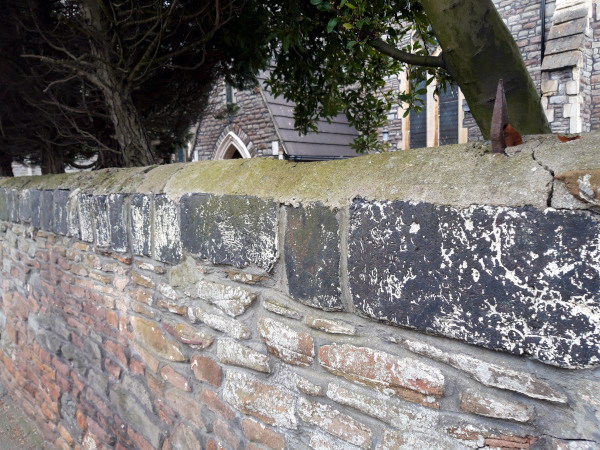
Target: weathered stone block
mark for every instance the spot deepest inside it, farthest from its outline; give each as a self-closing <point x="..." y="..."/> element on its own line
<point x="118" y="222"/>
<point x="101" y="220"/>
<point x="36" y="212"/>
<point x="73" y="216"/>
<point x="489" y="406"/>
<point x="293" y="347"/>
<point x="231" y="352"/>
<point x="329" y="325"/>
<point x="281" y="309"/>
<point x="47" y="207"/>
<point x="575" y="42"/>
<point x="85" y="217"/>
<point x="492" y="375"/>
<point x="183" y="438"/>
<point x="570" y="28"/>
<point x="4" y="210"/>
<point x="233" y="300"/>
<point x="25" y="206"/>
<point x="61" y="198"/>
<point x="398" y="415"/>
<point x="528" y="265"/>
<point x="150" y="335"/>
<point x="312" y="256"/>
<point x="167" y="236"/>
<point x="188" y="335"/>
<point x="408" y="378"/>
<point x="187" y="407"/>
<point x="14" y="197"/>
<point x="231" y="327"/>
<point x="572" y="58"/>
<point x="229" y="229"/>
<point x="133" y="413"/>
<point x="267" y="403"/>
<point x="335" y="422"/>
<point x="257" y="432"/>
<point x="141" y="225"/>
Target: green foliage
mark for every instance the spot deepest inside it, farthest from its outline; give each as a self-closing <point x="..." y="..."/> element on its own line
<point x="325" y="62"/>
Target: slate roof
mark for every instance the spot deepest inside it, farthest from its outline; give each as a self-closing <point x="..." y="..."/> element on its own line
<point x="331" y="142"/>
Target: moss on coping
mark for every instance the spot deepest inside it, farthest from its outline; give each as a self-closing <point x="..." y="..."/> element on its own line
<point x="457" y="175"/>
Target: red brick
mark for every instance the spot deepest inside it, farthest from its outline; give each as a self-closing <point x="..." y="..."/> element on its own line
<point x="112" y="318"/>
<point x="65" y="434"/>
<point x="142" y="443"/>
<point x="81" y="420"/>
<point x="113" y="369"/>
<point x="63" y="383"/>
<point x="60" y="367"/>
<point x="221" y="429"/>
<point x="179" y="381"/>
<point x="212" y="402"/>
<point x="136" y="367"/>
<point x="117" y="350"/>
<point x="95" y="428"/>
<point x="186" y="406"/>
<point x="205" y="369"/>
<point x="257" y="432"/>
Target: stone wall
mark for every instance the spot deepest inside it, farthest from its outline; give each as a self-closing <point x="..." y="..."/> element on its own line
<point x="407" y="300"/>
<point x="252" y="123"/>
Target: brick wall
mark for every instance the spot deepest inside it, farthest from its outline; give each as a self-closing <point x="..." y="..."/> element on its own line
<point x="168" y="309"/>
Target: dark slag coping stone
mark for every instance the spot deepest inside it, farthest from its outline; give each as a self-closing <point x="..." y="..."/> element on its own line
<point x="36" y="203"/>
<point x="118" y="222"/>
<point x="140" y="225"/>
<point x="3" y="205"/>
<point x="230" y="229"/>
<point x="73" y="216"/>
<point x="25" y="206"/>
<point x="312" y="257"/>
<point x="518" y="280"/>
<point x="14" y="202"/>
<point x="61" y="197"/>
<point x="47" y="210"/>
<point x="100" y="214"/>
<point x="167" y="236"/>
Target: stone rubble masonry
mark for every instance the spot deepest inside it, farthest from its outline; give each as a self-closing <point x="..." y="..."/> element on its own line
<point x="346" y="318"/>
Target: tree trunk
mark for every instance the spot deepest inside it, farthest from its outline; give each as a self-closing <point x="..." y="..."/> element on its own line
<point x="479" y="50"/>
<point x="6" y="164"/>
<point x="129" y="130"/>
<point x="112" y="80"/>
<point x="52" y="160"/>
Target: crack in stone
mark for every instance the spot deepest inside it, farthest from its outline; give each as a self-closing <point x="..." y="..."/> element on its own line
<point x="547" y="169"/>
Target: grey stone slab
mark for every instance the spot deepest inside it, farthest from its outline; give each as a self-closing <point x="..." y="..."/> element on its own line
<point x="519" y="280"/>
<point x="86" y="224"/>
<point x="141" y="231"/>
<point x="36" y="212"/>
<point x="312" y="256"/>
<point x="25" y="206"/>
<point x="47" y="208"/>
<point x="118" y="222"/>
<point x="167" y="235"/>
<point x="73" y="216"/>
<point x="568" y="28"/>
<point x="61" y="197"/>
<point x="4" y="211"/>
<point x="575" y="42"/>
<point x="230" y="229"/>
<point x="14" y="205"/>
<point x="572" y="58"/>
<point x="101" y="224"/>
<point x="566" y="15"/>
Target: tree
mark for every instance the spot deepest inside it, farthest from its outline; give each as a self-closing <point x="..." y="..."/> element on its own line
<point x="151" y="62"/>
<point x="333" y="55"/>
